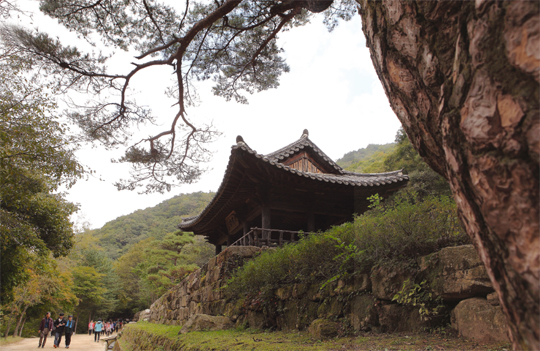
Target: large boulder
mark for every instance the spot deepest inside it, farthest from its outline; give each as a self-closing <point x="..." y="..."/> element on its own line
<point x="144" y="315"/>
<point x="284" y="293"/>
<point x="201" y="322"/>
<point x="387" y="281"/>
<point x="363" y="312"/>
<point x="477" y="319"/>
<point x="395" y="318"/>
<point x="288" y="320"/>
<point x="322" y="329"/>
<point x="362" y="283"/>
<point x="256" y="319"/>
<point x="456" y="273"/>
<point x="136" y="316"/>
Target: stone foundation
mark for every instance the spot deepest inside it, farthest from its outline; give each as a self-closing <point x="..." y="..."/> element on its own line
<point x="454" y="274"/>
<point x="200" y="292"/>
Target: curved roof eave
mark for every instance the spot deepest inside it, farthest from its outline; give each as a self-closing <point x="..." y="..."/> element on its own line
<point x="345" y="178"/>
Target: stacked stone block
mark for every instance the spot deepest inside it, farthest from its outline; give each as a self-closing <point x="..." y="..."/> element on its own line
<point x="200" y="292"/>
<point x="454" y="274"/>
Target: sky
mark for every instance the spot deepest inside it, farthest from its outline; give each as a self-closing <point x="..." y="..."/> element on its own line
<point x="332" y="90"/>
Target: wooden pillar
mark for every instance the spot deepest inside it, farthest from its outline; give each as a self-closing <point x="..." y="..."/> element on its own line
<point x="265" y="214"/>
<point x="245" y="229"/>
<point x="310" y="222"/>
<point x="218" y="249"/>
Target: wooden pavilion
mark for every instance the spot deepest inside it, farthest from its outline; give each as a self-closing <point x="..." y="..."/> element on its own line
<point x="267" y="199"/>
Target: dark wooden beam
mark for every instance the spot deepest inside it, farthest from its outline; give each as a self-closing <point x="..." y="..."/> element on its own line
<point x="310" y="221"/>
<point x="318" y="210"/>
<point x="266" y="221"/>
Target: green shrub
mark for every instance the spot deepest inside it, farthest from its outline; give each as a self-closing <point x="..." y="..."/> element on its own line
<point x="404" y="229"/>
<point x="398" y="231"/>
<point x="310" y="260"/>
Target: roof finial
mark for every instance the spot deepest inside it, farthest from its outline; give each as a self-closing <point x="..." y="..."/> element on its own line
<point x="239" y="139"/>
<point x="305" y="133"/>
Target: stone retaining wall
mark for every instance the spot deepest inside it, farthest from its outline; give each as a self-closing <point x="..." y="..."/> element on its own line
<point x="200" y="292"/>
<point x="455" y="274"/>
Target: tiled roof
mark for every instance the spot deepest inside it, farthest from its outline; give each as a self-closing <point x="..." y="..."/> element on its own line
<point x="298" y="145"/>
<point x="345" y="177"/>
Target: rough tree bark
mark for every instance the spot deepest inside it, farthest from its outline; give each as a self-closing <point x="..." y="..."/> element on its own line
<point x="463" y="77"/>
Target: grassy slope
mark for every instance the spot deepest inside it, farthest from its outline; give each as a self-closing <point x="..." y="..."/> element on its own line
<point x="164" y="336"/>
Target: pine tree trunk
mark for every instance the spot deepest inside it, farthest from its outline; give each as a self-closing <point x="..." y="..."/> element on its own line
<point x="463" y="77"/>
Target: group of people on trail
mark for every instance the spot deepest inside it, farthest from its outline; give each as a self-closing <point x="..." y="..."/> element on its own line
<point x="58" y="327"/>
<point x="106" y="328"/>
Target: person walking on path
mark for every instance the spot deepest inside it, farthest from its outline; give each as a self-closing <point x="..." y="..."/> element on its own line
<point x="44" y="327"/>
<point x="98" y="328"/>
<point x="70" y="329"/>
<point x="91" y="327"/>
<point x="59" y="326"/>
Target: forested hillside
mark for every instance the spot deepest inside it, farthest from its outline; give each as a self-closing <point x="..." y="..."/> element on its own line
<point x="117" y="236"/>
<point x="366" y="160"/>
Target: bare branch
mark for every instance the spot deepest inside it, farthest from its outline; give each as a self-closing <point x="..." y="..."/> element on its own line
<point x="149" y="11"/>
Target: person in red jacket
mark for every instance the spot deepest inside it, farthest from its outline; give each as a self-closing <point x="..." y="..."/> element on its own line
<point x="44" y="328"/>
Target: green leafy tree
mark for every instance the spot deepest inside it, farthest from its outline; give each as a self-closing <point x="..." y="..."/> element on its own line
<point x="423" y="180"/>
<point x="165" y="264"/>
<point x="199" y="252"/>
<point x="399" y="155"/>
<point x="48" y="288"/>
<point x="36" y="158"/>
<point x="90" y="289"/>
<point x="98" y="260"/>
<point x="131" y="292"/>
<point x="178" y="254"/>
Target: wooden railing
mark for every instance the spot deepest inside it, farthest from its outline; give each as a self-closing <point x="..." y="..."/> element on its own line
<point x="267" y="237"/>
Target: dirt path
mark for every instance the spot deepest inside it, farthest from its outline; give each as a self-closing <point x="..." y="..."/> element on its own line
<point x="79" y="342"/>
